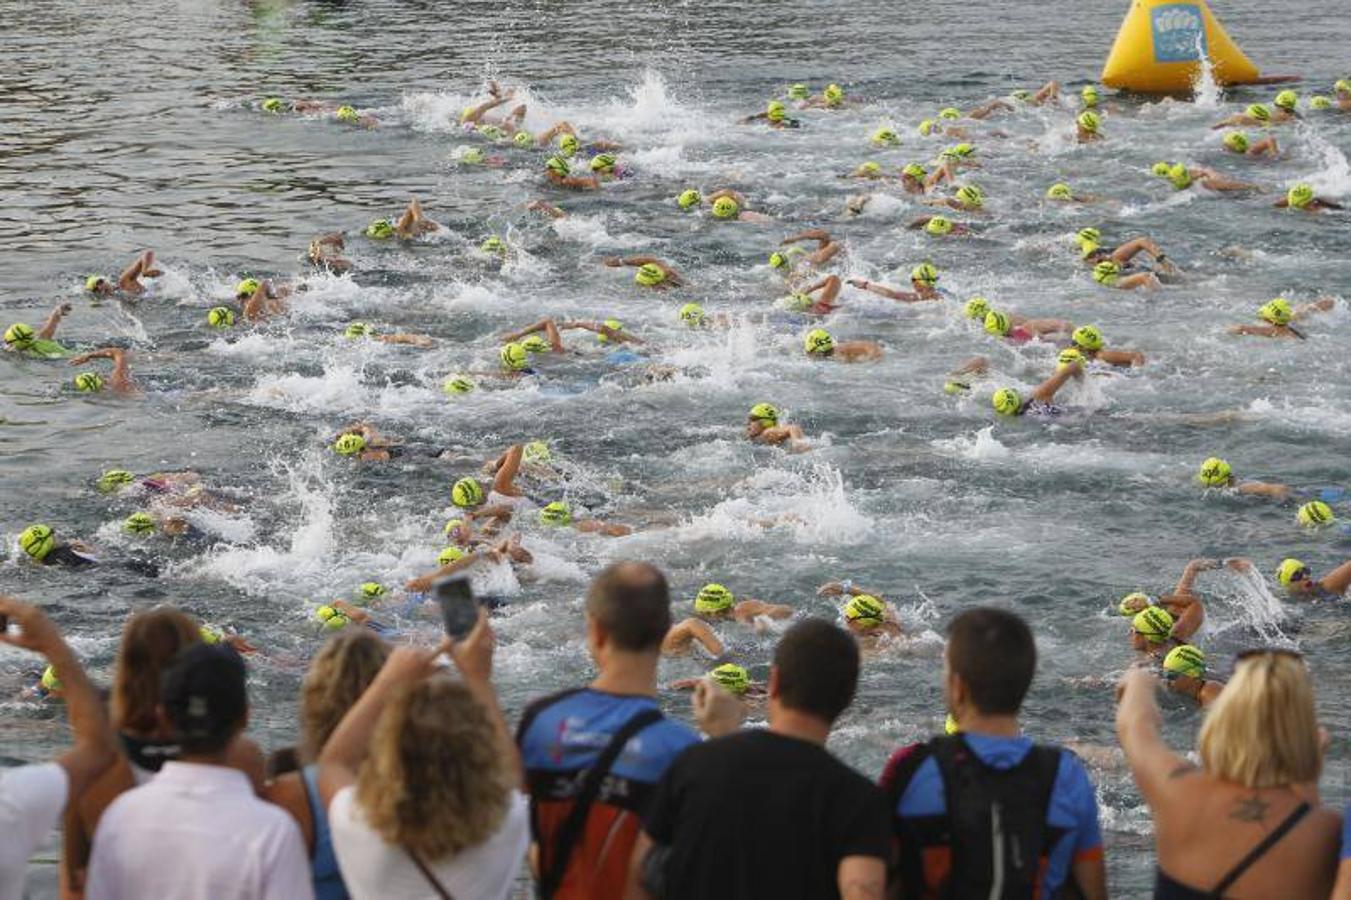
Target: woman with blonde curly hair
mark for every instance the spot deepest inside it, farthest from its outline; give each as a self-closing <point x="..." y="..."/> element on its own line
<point x="1248" y="821"/>
<point x="337" y="677"/>
<point x="422" y="781"/>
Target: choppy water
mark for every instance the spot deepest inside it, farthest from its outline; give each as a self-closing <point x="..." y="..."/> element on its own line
<point x="137" y="126"/>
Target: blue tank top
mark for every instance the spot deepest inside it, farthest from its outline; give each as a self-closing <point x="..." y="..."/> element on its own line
<point x="323" y="863"/>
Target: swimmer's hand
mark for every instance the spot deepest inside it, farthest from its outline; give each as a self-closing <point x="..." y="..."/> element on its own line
<point x="716" y="711"/>
<point x="1238" y="564"/>
<point x="830" y="589"/>
<point x="612" y="262"/>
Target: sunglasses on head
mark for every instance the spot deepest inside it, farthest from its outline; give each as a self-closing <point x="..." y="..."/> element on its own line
<point x="1263" y="651"/>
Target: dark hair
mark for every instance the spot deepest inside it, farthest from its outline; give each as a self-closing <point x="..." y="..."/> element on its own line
<point x="149" y="641"/>
<point x="204" y="696"/>
<point x="993" y="652"/>
<point x="818" y="668"/>
<point x="631" y="601"/>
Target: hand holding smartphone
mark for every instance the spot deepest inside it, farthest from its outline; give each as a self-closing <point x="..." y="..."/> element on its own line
<point x="459" y="609"/>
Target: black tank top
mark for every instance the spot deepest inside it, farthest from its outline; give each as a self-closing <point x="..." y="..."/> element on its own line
<point x="1166" y="888"/>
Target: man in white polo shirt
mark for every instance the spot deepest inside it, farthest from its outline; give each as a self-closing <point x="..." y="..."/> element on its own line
<point x="197" y="830"/>
<point x="32" y="797"/>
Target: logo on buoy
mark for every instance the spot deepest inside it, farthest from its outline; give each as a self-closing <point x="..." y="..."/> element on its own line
<point x="1179" y="33"/>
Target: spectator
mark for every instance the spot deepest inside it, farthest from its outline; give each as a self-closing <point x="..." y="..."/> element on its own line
<point x="336" y="679"/>
<point x="1037" y="797"/>
<point x="628" y="612"/>
<point x="770" y="813"/>
<point x="150" y="641"/>
<point x="1246" y="822"/>
<point x="421" y="781"/>
<point x="197" y="829"/>
<point x="32" y="796"/>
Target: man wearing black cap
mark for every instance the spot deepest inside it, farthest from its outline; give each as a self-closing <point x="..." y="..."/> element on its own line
<point x="197" y="830"/>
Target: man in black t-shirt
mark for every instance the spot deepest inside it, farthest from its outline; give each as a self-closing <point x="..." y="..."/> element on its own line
<point x="771" y="813"/>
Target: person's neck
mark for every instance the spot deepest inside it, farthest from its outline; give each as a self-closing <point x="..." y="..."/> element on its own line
<point x="996" y="726"/>
<point x="204" y="759"/>
<point x="795" y="724"/>
<point x="628" y="673"/>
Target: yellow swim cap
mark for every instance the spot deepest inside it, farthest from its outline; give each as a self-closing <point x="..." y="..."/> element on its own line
<point x="949" y="112"/>
<point x="1059" y="191"/>
<point x="139" y="523"/>
<point x="349" y="445"/>
<point x="1300" y="196"/>
<point x="493" y="245"/>
<point x="925" y="274"/>
<point x="688" y="197"/>
<point x="971" y="196"/>
<point x="799" y="91"/>
<point x="997" y="323"/>
<point x="976" y="308"/>
<point x="330" y="618"/>
<point x="220" y="317"/>
<point x="556" y="513"/>
<point x="885" y="137"/>
<point x="458" y="384"/>
<point x="1154" y="623"/>
<point x="613" y="325"/>
<point x="776" y="111"/>
<point x="273" y="105"/>
<point x="558" y="165"/>
<point x="1089" y="121"/>
<point x="94" y="282"/>
<point x="1215" y="472"/>
<point x="950" y="725"/>
<point x="537" y="452"/>
<point x="713" y="598"/>
<point x="1107" y="273"/>
<point x="914" y="170"/>
<point x="1292" y="570"/>
<point x="466" y="492"/>
<point x="1006" y="402"/>
<point x="725" y="208"/>
<point x="380" y="229"/>
<point x="1180" y="176"/>
<point x="692" y="314"/>
<point x="450" y="555"/>
<point x="370" y="590"/>
<point x="114" y="480"/>
<point x="534" y="343"/>
<point x="927" y="126"/>
<point x="765" y="414"/>
<point x="939" y="226"/>
<point x="1090" y="96"/>
<point x="1277" y="312"/>
<point x="356" y="330"/>
<point x="1287" y="100"/>
<point x="347" y="114"/>
<point x="833" y="94"/>
<point x="1236" y="141"/>
<point x="89" y="382"/>
<point x="1068" y="357"/>
<point x="1133" y="603"/>
<point x="37" y="541"/>
<point x="514" y="357"/>
<point x="248" y="287"/>
<point x="818" y="341"/>
<point x="1161" y="169"/>
<point x="523" y="139"/>
<point x="865" y="611"/>
<point x="49" y="681"/>
<point x="1318" y="101"/>
<point x="568" y="144"/>
<point x="1259" y="112"/>
<point x="651" y="274"/>
<point x="1087" y="337"/>
<point x="731" y="678"/>
<point x="1185" y="660"/>
<point x="1315" y="514"/>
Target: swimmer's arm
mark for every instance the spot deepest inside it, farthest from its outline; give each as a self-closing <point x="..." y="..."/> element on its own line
<point x="691" y="630"/>
<point x="412" y="340"/>
<point x="820" y="235"/>
<point x="882" y="290"/>
<point x="541" y="325"/>
<point x="1190" y="612"/>
<point x="1193" y="569"/>
<point x="746" y="610"/>
<point x="120" y="379"/>
<point x="1264" y="489"/>
<point x="583" y="182"/>
<point x="560" y="127"/>
<point x="543" y="206"/>
<point x="1322" y="304"/>
<point x="504" y="482"/>
<point x="1338" y="580"/>
<point x="739" y="197"/>
<point x="127" y="281"/>
<point x="982" y="112"/>
<point x="596" y="526"/>
<point x="754" y="118"/>
<point x="977" y="365"/>
<point x="851" y="351"/>
<point x="501" y="513"/>
<point x="922" y="220"/>
<point x="1327" y="204"/>
<point x="423" y="583"/>
<point x="1255" y="330"/>
<point x="1122" y="357"/>
<point x="828" y="252"/>
<point x="475" y="114"/>
<point x="59" y="312"/>
<point x="1281" y="203"/>
<point x="1046" y="391"/>
<point x="1154" y="765"/>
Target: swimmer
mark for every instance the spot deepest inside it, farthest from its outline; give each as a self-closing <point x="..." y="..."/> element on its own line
<point x="819" y="344"/>
<point x="452" y="560"/>
<point x="1184" y="673"/>
<point x="1002" y="325"/>
<point x="762" y="427"/>
<point x="129" y="282"/>
<point x="731" y="206"/>
<point x="364" y="442"/>
<point x="1060" y="192"/>
<point x="1343" y="91"/>
<point x="940" y="226"/>
<point x="1298" y="580"/>
<point x="357" y="330"/>
<point x="21" y="338"/>
<point x="1108" y="273"/>
<point x="120" y="380"/>
<point x="804" y="301"/>
<point x="1278" y="314"/>
<point x="325" y="252"/>
<point x="716" y="603"/>
<point x="867" y="614"/>
<point x="652" y="272"/>
<point x="827" y="248"/>
<point x="1217" y="473"/>
<point x="40" y="543"/>
<point x="1092" y="252"/>
<point x="1256" y="115"/>
<point x="1088" y="340"/>
<point x="344" y="113"/>
<point x="611" y="330"/>
<point x="558" y="173"/>
<point x="1184" y="608"/>
<point x="1237" y="142"/>
<point x="558" y="514"/>
<point x="968" y="198"/>
<point x="923" y="278"/>
<point x="775" y="116"/>
<point x="261" y="299"/>
<point x="545" y="208"/>
<point x="1008" y="402"/>
<point x="1182" y="176"/>
<point x="1087" y="127"/>
<point x="477" y="114"/>
<point x="1302" y="197"/>
<point x="831" y="97"/>
<point x="730" y="677"/>
<point x="570" y="142"/>
<point x="413" y="223"/>
<point x="1285" y="107"/>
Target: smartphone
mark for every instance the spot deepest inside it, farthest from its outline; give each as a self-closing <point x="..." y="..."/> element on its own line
<point x="459" y="610"/>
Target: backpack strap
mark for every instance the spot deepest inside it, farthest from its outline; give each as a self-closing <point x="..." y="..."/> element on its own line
<point x="427" y="874"/>
<point x="907" y="867"/>
<point x="565" y="839"/>
<point x="532" y="712"/>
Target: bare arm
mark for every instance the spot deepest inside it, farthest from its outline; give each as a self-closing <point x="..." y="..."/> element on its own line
<point x="820" y="235"/>
<point x="1338" y="580"/>
<point x="747" y="610"/>
<point x="1193" y="569"/>
<point x="423" y="583"/>
<point x="1190" y="613"/>
<point x="1153" y="764"/>
<point x="504" y="482"/>
<point x="679" y="638"/>
<point x="475" y="114"/>
<point x="1090" y="875"/>
<point x="93" y="749"/>
<point x="1046" y="391"/>
<point x="49" y="327"/>
<point x="1264" y="489"/>
<point x="541" y="325"/>
<point x="882" y="290"/>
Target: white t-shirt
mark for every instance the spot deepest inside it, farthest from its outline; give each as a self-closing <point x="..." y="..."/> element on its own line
<point x="197" y="831"/>
<point x="374" y="870"/>
<point x="31" y="800"/>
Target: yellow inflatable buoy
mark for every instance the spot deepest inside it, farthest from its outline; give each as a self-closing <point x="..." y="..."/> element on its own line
<point x="1161" y="44"/>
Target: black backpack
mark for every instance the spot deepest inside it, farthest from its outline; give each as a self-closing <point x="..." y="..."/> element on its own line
<point x="995" y="825"/>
